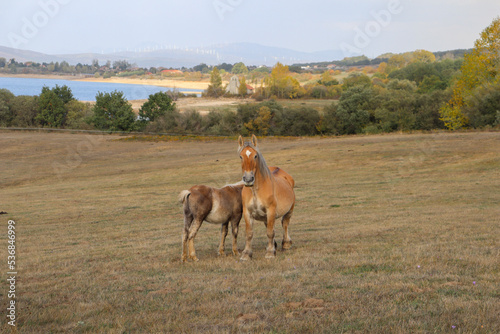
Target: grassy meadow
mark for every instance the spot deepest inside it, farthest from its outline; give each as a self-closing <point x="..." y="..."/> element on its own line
<point x="391" y="234"/>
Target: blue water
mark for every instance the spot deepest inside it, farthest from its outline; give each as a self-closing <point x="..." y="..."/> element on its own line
<point x="83" y="91"/>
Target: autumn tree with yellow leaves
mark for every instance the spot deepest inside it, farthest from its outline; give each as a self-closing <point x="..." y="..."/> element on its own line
<point x="281" y="84"/>
<point x="476" y="97"/>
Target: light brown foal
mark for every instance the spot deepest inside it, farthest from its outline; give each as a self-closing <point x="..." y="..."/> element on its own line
<point x="216" y="206"/>
<point x="268" y="194"/>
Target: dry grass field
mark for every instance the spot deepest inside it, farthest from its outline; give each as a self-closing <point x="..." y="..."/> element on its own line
<point x="391" y="234"/>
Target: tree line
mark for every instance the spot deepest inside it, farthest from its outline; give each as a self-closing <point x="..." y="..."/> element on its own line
<point x="411" y="91"/>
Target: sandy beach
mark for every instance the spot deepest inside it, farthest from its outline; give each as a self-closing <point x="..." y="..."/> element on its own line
<point x="179" y="84"/>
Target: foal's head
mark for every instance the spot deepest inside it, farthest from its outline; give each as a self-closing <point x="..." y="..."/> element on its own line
<point x="251" y="161"/>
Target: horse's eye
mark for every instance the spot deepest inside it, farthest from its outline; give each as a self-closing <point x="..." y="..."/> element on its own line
<point x="255" y="157"/>
<point x="241" y="157"/>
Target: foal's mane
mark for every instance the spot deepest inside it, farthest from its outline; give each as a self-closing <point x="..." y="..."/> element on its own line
<point x="261" y="162"/>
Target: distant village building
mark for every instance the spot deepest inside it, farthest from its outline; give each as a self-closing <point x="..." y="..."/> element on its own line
<point x="234" y="84"/>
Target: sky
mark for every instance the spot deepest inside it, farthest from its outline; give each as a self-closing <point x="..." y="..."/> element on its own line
<point x="370" y="27"/>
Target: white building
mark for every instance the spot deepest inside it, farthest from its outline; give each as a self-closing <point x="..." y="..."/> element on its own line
<point x="234" y="85"/>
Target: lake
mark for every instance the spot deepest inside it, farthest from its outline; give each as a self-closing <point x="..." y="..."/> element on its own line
<point x="82" y="90"/>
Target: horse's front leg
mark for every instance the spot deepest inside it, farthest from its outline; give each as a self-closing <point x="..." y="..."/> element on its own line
<point x="247" y="252"/>
<point x="235" y="222"/>
<point x="223" y="234"/>
<point x="271" y="246"/>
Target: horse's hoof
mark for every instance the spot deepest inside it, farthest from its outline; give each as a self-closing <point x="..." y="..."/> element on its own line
<point x="221" y="254"/>
<point x="236" y="253"/>
<point x="286" y="245"/>
<point x="270" y="255"/>
<point x="194" y="258"/>
<point x="246" y="257"/>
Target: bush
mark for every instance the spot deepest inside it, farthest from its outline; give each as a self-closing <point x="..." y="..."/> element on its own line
<point x="113" y="112"/>
<point x="191" y="122"/>
<point x="52" y="109"/>
<point x="301" y="121"/>
<point x="78" y="115"/>
<point x="25" y="110"/>
<point x="159" y="105"/>
<point x="352" y="113"/>
<point x="6" y="115"/>
<point x="483" y="105"/>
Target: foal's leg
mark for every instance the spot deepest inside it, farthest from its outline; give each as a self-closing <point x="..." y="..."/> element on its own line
<point x="247" y="252"/>
<point x="234" y="229"/>
<point x="223" y="234"/>
<point x="271" y="246"/>
<point x="192" y="233"/>
<point x="188" y="219"/>
<point x="287" y="241"/>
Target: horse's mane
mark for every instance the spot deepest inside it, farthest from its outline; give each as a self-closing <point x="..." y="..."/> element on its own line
<point x="264" y="170"/>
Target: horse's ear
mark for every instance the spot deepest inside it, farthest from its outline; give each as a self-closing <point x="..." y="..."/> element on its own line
<point x="254" y="141"/>
<point x="240" y="141"/>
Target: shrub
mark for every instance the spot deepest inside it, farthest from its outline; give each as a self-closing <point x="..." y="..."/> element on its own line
<point x="113" y="112"/>
<point x="352" y="113"/>
<point x="482" y="105"/>
<point x="52" y="109"/>
<point x="78" y="115"/>
<point x="25" y="110"/>
<point x="6" y="115"/>
<point x="191" y="122"/>
<point x="297" y="122"/>
<point x="159" y="105"/>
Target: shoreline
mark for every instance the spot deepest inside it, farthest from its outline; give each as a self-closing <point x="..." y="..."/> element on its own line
<point x="200" y="86"/>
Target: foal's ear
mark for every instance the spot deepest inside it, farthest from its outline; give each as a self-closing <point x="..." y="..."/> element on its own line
<point x="254" y="141"/>
<point x="240" y="141"/>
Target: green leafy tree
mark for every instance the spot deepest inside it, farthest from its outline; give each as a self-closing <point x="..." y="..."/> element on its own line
<point x="352" y="113"/>
<point x="121" y="65"/>
<point x="6" y="114"/>
<point x="239" y="68"/>
<point x="215" y="88"/>
<point x="479" y="69"/>
<point x="63" y="92"/>
<point x="52" y="106"/>
<point x="200" y="68"/>
<point x="159" y="108"/>
<point x="25" y="110"/>
<point x="52" y="109"/>
<point x="356" y="79"/>
<point x="113" y="112"/>
<point x="157" y="105"/>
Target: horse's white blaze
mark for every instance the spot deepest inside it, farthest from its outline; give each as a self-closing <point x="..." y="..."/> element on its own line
<point x="248" y="153"/>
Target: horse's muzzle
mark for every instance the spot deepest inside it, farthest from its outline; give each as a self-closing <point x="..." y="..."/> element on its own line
<point x="248" y="179"/>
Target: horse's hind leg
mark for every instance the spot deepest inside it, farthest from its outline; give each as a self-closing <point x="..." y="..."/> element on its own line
<point x="234" y="229"/>
<point x="188" y="219"/>
<point x="287" y="241"/>
<point x="195" y="226"/>
<point x="223" y="234"/>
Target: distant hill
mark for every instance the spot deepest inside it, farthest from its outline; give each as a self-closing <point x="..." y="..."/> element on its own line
<point x="364" y="61"/>
<point x="249" y="53"/>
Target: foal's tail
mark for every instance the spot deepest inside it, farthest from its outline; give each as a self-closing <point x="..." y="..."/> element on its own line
<point x="183" y="196"/>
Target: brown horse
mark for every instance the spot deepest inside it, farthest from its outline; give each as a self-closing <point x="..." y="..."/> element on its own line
<point x="268" y="195"/>
<point x="216" y="206"/>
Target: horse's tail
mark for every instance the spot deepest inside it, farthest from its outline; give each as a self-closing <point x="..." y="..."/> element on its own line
<point x="183" y="196"/>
